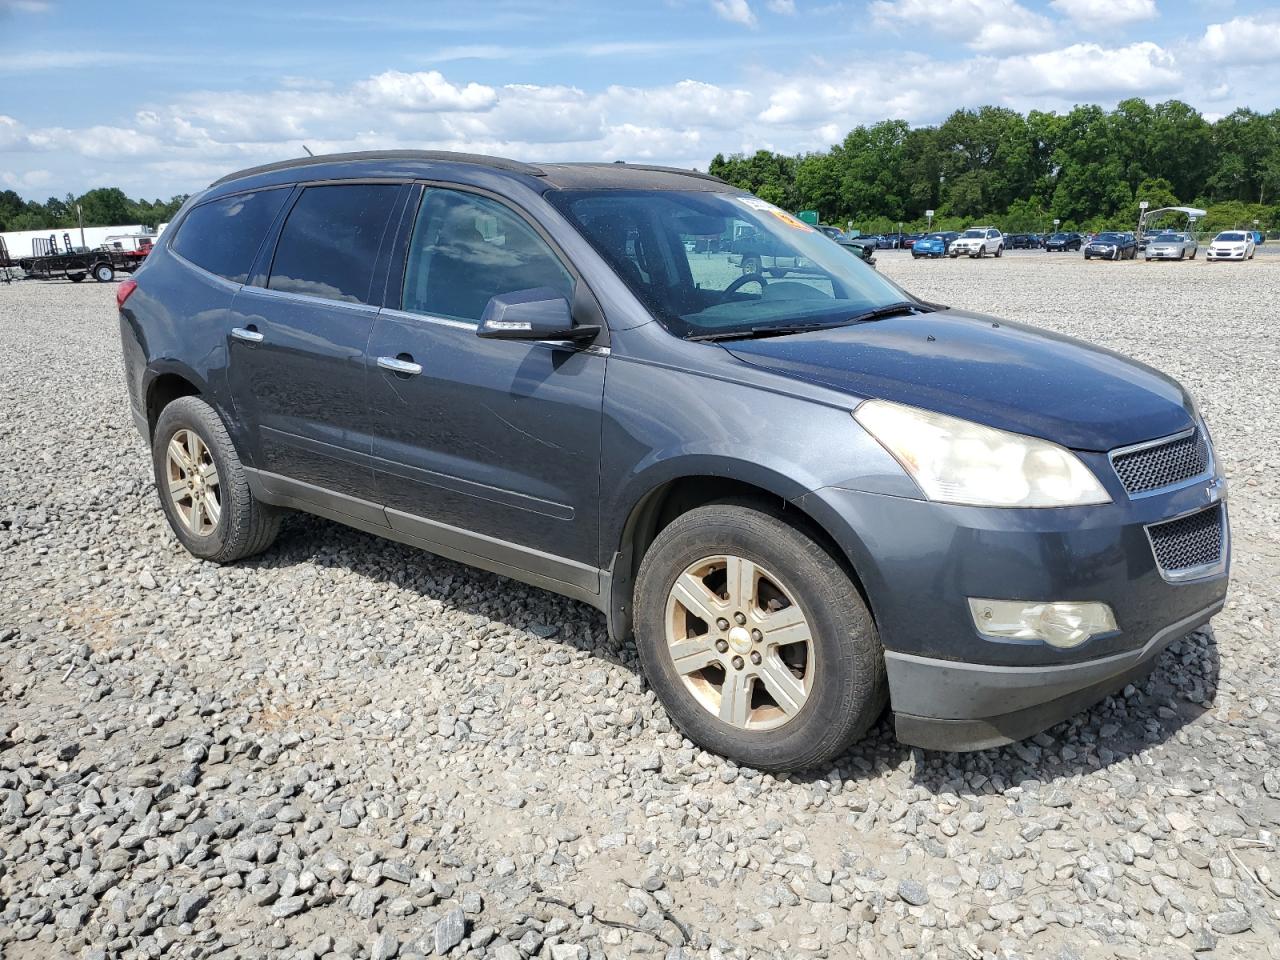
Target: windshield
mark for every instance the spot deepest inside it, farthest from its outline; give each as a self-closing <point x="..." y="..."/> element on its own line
<point x="1232" y="237"/>
<point x="1109" y="237"/>
<point x="716" y="263"/>
<point x="975" y="233"/>
<point x="1168" y="238"/>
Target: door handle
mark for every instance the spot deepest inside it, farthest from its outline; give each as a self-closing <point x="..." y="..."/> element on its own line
<point x="397" y="365"/>
<point x="248" y="334"/>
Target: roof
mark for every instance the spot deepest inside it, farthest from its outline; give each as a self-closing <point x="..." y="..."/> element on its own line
<point x="580" y="176"/>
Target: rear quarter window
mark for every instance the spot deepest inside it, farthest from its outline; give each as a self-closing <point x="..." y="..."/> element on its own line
<point x="223" y="236"/>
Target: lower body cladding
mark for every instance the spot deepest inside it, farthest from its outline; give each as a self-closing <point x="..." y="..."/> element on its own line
<point x="1155" y="567"/>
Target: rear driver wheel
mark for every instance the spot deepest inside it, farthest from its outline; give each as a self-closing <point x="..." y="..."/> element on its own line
<point x="755" y="640"/>
<point x="203" y="486"/>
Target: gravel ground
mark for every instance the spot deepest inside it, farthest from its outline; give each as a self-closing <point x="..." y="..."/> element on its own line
<point x="346" y="748"/>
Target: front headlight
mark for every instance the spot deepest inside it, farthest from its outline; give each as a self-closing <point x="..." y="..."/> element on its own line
<point x="957" y="461"/>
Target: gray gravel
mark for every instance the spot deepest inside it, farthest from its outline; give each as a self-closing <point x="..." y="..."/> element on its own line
<point x="346" y="748"/>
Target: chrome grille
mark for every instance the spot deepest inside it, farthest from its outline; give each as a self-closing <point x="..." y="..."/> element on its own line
<point x="1162" y="464"/>
<point x="1189" y="542"/>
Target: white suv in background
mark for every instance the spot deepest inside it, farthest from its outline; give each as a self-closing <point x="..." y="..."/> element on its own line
<point x="978" y="242"/>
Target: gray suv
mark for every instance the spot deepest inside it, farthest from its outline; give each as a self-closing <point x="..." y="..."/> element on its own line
<point x="803" y="497"/>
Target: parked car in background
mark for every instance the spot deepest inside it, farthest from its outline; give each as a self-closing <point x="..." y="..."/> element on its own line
<point x="1063" y="242"/>
<point x="1021" y="241"/>
<point x="933" y="245"/>
<point x="978" y="242"/>
<point x="1111" y="245"/>
<point x="909" y="239"/>
<point x="758" y="253"/>
<point x="1259" y="238"/>
<point x="860" y="248"/>
<point x="1231" y="245"/>
<point x="891" y="241"/>
<point x="1171" y="246"/>
<point x="524" y="368"/>
<point x="835" y="233"/>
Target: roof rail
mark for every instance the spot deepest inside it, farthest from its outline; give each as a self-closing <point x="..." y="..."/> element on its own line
<point x="655" y="168"/>
<point x="498" y="163"/>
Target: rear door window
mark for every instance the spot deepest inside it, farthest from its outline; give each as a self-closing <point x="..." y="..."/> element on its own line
<point x="329" y="244"/>
<point x="468" y="248"/>
<point x="223" y="236"/>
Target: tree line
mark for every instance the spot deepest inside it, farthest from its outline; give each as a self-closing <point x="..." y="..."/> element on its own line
<point x="1088" y="168"/>
<point x="101" y="207"/>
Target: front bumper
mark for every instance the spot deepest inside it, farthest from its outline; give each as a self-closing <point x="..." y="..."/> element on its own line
<point x="955" y="688"/>
<point x="1226" y="254"/>
<point x="944" y="705"/>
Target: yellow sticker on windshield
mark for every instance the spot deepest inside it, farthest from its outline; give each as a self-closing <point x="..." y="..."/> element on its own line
<point x="755" y="203"/>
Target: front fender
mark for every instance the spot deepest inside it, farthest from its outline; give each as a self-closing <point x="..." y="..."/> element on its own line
<point x="663" y="424"/>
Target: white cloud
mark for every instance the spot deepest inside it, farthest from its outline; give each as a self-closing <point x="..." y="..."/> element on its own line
<point x="988" y="26"/>
<point x="1085" y="70"/>
<point x="1105" y="14"/>
<point x="31" y="180"/>
<point x="735" y="11"/>
<point x="1242" y="40"/>
<point x="428" y="91"/>
<point x="784" y="7"/>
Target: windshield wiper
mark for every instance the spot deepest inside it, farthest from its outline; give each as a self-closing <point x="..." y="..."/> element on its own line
<point x="753" y="333"/>
<point x="890" y="310"/>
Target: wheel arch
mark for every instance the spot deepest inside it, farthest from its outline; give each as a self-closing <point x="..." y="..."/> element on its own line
<point x="673" y="496"/>
<point x="162" y="390"/>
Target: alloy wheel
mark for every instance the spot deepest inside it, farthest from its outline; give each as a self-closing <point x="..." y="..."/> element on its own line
<point x="193" y="483"/>
<point x="740" y="642"/>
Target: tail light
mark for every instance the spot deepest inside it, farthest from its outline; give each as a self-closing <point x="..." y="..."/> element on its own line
<point x="123" y="292"/>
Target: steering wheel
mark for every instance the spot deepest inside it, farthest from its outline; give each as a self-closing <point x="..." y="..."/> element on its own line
<point x="743" y="280"/>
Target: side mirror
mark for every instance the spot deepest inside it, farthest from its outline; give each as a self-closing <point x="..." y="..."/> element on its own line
<point x="539" y="313"/>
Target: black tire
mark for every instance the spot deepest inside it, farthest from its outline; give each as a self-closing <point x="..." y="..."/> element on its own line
<point x="104" y="273"/>
<point x="246" y="525"/>
<point x="75" y="277"/>
<point x="750" y="265"/>
<point x="849" y="689"/>
<point x="1000" y="250"/>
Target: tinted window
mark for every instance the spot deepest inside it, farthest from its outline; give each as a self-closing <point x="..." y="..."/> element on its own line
<point x="329" y="244"/>
<point x="466" y="249"/>
<point x="223" y="236"/>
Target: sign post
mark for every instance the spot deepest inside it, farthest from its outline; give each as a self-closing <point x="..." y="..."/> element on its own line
<point x="927" y="213"/>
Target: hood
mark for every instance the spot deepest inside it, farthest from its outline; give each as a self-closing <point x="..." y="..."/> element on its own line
<point x="1005" y="375"/>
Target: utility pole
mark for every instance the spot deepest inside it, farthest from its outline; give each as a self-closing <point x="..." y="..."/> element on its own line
<point x="80" y="220"/>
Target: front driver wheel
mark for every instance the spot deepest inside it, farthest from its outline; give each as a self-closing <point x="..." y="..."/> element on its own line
<point x="203" y="486"/>
<point x="755" y="640"/>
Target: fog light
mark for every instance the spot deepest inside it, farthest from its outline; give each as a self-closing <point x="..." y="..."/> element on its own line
<point x="1060" y="624"/>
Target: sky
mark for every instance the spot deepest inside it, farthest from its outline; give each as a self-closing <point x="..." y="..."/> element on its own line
<point x="160" y="99"/>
